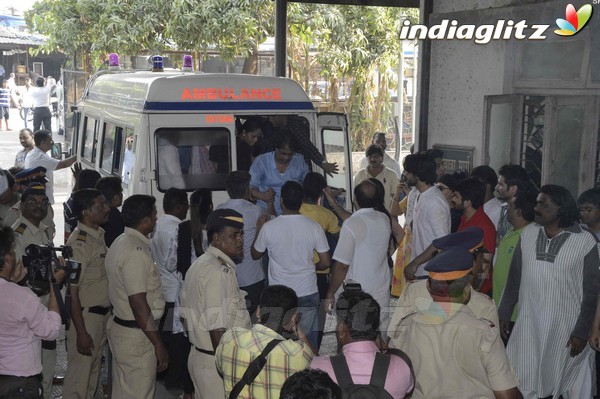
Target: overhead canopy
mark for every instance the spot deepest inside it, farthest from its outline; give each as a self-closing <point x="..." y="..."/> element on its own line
<point x="380" y="3"/>
<point x="11" y="39"/>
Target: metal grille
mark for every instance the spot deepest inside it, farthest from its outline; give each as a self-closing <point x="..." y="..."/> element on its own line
<point x="532" y="138"/>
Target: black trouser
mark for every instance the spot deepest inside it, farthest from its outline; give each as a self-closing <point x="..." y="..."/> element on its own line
<point x="42" y="115"/>
<point x="178" y="370"/>
<point x="12" y="387"/>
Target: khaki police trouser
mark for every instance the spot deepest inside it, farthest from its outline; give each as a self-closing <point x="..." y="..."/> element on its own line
<point x="203" y="370"/>
<point x="134" y="362"/>
<point x="83" y="372"/>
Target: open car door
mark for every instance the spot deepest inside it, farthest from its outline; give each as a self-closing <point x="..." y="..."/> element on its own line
<point x="334" y="136"/>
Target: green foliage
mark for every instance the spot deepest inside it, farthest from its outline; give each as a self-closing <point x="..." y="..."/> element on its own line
<point x="232" y="27"/>
<point x="357" y="44"/>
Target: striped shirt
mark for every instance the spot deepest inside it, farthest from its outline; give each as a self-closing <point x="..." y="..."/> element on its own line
<point x="240" y="346"/>
<point x="4" y="97"/>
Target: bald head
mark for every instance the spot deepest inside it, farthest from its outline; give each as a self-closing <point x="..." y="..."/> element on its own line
<point x="366" y="194"/>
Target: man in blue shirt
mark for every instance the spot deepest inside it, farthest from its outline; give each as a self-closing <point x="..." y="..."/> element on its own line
<point x="271" y="170"/>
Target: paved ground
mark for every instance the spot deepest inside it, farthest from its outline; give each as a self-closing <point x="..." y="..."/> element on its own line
<point x="9" y="146"/>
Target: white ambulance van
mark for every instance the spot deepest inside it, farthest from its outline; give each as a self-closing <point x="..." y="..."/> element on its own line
<point x="155" y="129"/>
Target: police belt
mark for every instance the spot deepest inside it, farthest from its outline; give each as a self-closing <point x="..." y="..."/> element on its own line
<point x="129" y="323"/>
<point x="101" y="310"/>
<point x="211" y="353"/>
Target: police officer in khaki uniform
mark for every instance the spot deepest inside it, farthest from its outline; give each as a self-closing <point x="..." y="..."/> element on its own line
<point x="29" y="229"/>
<point x="136" y="295"/>
<point x="90" y="305"/>
<point x="416" y="297"/>
<point x="454" y="353"/>
<point x="212" y="300"/>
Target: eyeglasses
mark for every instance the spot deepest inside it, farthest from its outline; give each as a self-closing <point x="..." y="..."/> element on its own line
<point x="587" y="209"/>
<point x="32" y="202"/>
<point x="442" y="188"/>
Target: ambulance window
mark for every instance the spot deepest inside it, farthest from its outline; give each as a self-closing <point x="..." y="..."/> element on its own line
<point x="108" y="147"/>
<point x="128" y="155"/>
<point x="333" y="141"/>
<point x="88" y="151"/>
<point x="183" y="158"/>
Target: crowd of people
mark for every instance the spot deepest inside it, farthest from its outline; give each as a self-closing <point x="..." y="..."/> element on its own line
<point x="40" y="97"/>
<point x="496" y="282"/>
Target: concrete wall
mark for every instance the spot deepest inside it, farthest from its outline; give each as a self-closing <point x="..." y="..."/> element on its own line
<point x="463" y="72"/>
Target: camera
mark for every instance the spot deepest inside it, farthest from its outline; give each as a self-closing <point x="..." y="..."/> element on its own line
<point x="40" y="259"/>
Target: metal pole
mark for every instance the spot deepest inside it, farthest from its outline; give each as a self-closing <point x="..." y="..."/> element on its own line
<point x="424" y="78"/>
<point x="280" y="36"/>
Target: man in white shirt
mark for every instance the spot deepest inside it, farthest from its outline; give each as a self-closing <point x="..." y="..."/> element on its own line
<point x="175" y="206"/>
<point x="38" y="157"/>
<point x="40" y="101"/>
<point x="291" y="239"/>
<point x="388" y="161"/>
<point x="431" y="217"/>
<point x="25" y="101"/>
<point x="249" y="273"/>
<point x="362" y="249"/>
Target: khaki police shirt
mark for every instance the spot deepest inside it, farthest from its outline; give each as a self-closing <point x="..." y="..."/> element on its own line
<point x="455" y="354"/>
<point x="90" y="250"/>
<point x="212" y="298"/>
<point x="27" y="233"/>
<point x="131" y="270"/>
<point x="415" y="297"/>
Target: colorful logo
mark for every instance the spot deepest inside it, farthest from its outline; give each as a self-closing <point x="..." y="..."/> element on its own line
<point x="575" y="21"/>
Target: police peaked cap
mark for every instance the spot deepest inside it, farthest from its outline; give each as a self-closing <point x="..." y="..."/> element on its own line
<point x="224" y="217"/>
<point x="470" y="239"/>
<point x="34" y="189"/>
<point x="30" y="175"/>
<point x="450" y="264"/>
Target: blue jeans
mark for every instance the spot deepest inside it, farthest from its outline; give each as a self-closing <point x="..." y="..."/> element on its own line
<point x="308" y="305"/>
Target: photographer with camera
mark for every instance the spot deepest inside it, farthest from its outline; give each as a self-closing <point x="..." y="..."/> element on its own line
<point x="90" y="305"/>
<point x="24" y="322"/>
<point x="29" y="229"/>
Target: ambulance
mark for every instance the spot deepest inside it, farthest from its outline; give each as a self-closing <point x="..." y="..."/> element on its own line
<point x="154" y="130"/>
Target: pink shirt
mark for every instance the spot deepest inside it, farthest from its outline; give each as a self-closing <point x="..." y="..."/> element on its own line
<point x="360" y="357"/>
<point x="24" y="322"/>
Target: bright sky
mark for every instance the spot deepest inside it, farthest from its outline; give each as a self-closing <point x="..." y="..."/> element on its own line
<point x="19" y="5"/>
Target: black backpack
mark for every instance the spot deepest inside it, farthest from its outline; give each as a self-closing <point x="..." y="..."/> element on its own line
<point x="374" y="390"/>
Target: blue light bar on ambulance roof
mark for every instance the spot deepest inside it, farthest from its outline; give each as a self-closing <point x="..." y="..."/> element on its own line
<point x="187" y="63"/>
<point x="113" y="62"/>
<point x="157" y="63"/>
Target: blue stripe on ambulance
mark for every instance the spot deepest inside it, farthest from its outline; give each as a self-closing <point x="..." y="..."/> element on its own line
<point x="227" y="105"/>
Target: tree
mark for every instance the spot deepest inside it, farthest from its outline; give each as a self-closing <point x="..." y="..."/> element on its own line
<point x="233" y="28"/>
<point x="359" y="44"/>
<point x="94" y="28"/>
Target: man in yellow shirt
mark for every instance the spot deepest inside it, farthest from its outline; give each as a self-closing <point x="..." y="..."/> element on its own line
<point x="314" y="184"/>
<point x="278" y="319"/>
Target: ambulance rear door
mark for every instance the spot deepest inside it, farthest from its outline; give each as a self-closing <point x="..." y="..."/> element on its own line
<point x="191" y="150"/>
<point x="334" y="137"/>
